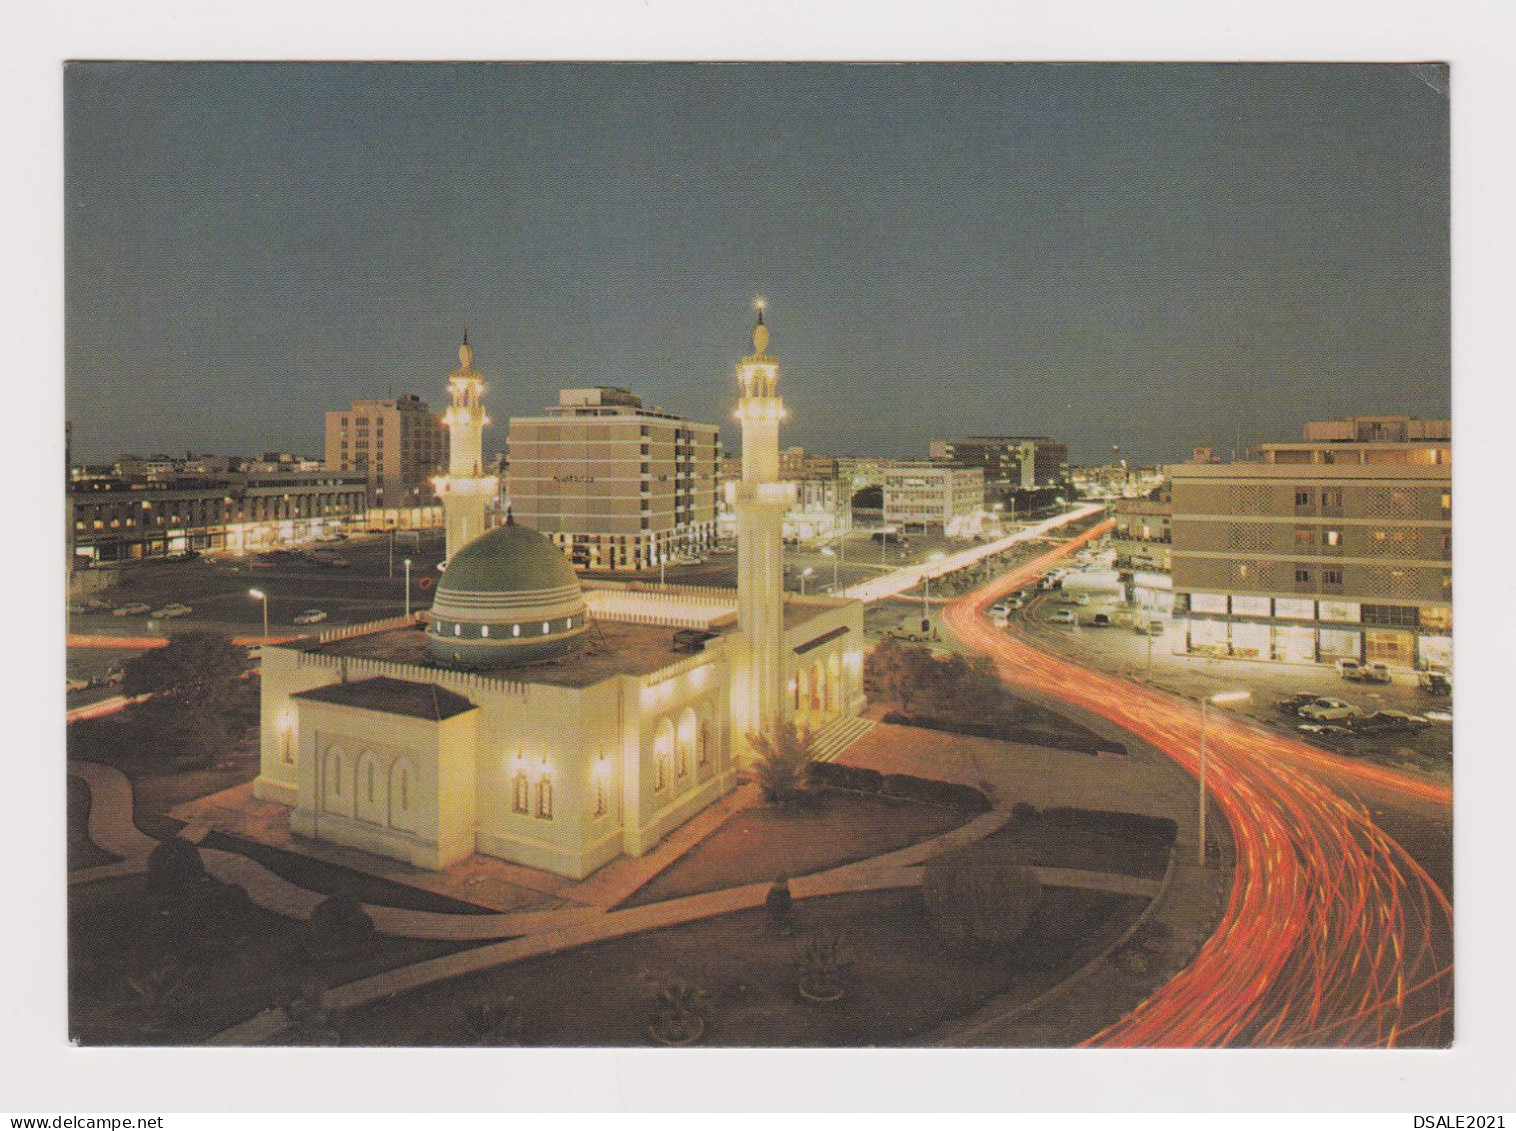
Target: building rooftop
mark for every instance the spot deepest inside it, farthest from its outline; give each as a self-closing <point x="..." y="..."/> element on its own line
<point x="609" y="648"/>
<point x="392" y="696"/>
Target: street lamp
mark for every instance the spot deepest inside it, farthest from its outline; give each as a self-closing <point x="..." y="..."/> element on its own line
<point x="828" y="552"/>
<point x="1205" y="702"/>
<point x="926" y="590"/>
<point x="407" y="588"/>
<point x="806" y="572"/>
<point x="260" y="595"/>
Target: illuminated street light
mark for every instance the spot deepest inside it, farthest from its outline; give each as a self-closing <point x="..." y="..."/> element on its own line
<point x="926" y="590"/>
<point x="1221" y="697"/>
<point x="260" y="595"/>
<point x="407" y="588"/>
<point x="806" y="572"/>
<point x="828" y="552"/>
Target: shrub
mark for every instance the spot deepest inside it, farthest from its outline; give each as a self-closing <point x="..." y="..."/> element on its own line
<point x="1024" y="811"/>
<point x="911" y="788"/>
<point x="338" y="923"/>
<point x="980" y="900"/>
<point x="174" y="865"/>
<point x="782" y="757"/>
<point x="820" y="965"/>
<point x="495" y="1022"/>
<point x="1123" y="826"/>
<point x="856" y="778"/>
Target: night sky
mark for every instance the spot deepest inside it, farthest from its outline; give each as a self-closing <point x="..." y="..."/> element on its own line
<point x="1149" y="256"/>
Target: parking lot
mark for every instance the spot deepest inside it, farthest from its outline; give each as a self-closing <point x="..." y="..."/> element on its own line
<point x="1155" y="659"/>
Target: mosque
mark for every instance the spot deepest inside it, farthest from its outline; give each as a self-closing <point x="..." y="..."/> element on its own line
<point x="544" y="721"/>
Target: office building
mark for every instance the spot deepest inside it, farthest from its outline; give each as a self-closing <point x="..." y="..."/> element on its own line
<point x="924" y="495"/>
<point x="396" y="444"/>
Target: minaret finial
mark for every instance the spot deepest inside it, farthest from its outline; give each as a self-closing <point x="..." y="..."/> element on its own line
<point x="465" y="352"/>
<point x="760" y="331"/>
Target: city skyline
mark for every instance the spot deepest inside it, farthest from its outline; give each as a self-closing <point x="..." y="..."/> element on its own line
<point x="1263" y="244"/>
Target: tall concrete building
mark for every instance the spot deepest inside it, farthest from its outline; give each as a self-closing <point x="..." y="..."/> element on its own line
<point x="1010" y="463"/>
<point x="398" y="444"/>
<point x="927" y="495"/>
<point x="1318" y="551"/>
<point x="615" y="485"/>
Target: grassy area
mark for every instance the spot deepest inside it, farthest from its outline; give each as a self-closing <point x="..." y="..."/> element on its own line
<point x="902" y="985"/>
<point x="82" y="852"/>
<point x="756" y="845"/>
<point x="1094" y="842"/>
<point x="121" y="930"/>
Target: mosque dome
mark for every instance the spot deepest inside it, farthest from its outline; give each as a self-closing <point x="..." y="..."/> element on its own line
<point x="507" y="597"/>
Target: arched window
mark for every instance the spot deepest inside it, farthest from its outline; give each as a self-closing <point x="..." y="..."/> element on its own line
<point x="520" y="793"/>
<point x="663" y="754"/>
<point x="287" y="747"/>
<point x="545" y="798"/>
<point x="685" y="742"/>
<point x="371" y="783"/>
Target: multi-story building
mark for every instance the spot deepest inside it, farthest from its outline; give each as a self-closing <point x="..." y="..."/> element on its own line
<point x="1379" y="430"/>
<point x="119" y="519"/>
<point x="397" y="444"/>
<point x="1143" y="534"/>
<point x="1010" y="463"/>
<point x="926" y="495"/>
<point x="822" y="509"/>
<point x="615" y="485"/>
<point x="1318" y="551"/>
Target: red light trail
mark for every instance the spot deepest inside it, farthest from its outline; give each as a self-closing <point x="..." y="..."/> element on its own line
<point x="1333" y="934"/>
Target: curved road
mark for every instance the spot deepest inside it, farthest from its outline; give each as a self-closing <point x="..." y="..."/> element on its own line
<point x="1333" y="935"/>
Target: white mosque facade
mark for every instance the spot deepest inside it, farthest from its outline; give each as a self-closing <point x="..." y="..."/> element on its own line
<point x="556" y="725"/>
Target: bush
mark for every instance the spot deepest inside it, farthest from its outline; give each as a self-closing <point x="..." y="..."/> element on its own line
<point x="337" y="924"/>
<point x="1025" y="812"/>
<point x="896" y="718"/>
<point x="859" y="779"/>
<point x="782" y="757"/>
<point x="980" y="900"/>
<point x="910" y="788"/>
<point x="1123" y="826"/>
<point x="174" y="865"/>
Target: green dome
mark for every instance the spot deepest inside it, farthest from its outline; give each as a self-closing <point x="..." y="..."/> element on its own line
<point x="507" y="597"/>
<point x="507" y="559"/>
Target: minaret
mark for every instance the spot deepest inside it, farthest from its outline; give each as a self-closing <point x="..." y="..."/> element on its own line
<point x="760" y="500"/>
<point x="465" y="490"/>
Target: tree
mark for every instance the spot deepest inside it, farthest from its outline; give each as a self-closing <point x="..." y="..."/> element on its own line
<point x="782" y="757"/>
<point x="980" y="899"/>
<point x="196" y="666"/>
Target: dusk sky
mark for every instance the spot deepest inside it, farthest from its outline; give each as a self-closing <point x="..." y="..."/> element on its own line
<point x="1151" y="256"/>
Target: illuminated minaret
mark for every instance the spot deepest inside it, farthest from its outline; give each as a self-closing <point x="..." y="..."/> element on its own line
<point x="760" y="499"/>
<point x="465" y="490"/>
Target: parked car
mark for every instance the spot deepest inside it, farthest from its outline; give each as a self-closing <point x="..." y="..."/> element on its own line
<point x="1101" y="620"/>
<point x="1347" y="668"/>
<point x="99" y="604"/>
<point x="1326" y="710"/>
<point x="76" y="609"/>
<point x="1325" y="730"/>
<point x="1435" y="683"/>
<point x="76" y="684"/>
<point x="1074" y="599"/>
<point x="1062" y="616"/>
<point x="131" y="609"/>
<point x="1393" y="720"/>
<point x="1291" y="704"/>
<point x="1000" y="608"/>
<point x="1368" y="673"/>
<point x="310" y="616"/>
<point x="1438" y="715"/>
<point x="173" y="610"/>
<point x="112" y="678"/>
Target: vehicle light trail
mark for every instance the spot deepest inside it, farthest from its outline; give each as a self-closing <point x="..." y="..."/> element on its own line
<point x="1333" y="935"/>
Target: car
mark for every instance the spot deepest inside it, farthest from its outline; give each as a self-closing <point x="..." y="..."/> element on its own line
<point x="1062" y="616"/>
<point x="1000" y="608"/>
<point x="1402" y="720"/>
<point x="1347" y="668"/>
<point x="1325" y="730"/>
<point x="1368" y="673"/>
<point x="75" y="609"/>
<point x="1074" y="599"/>
<point x="1018" y="603"/>
<point x="1326" y="710"/>
<point x="131" y="609"/>
<point x="76" y="684"/>
<point x="172" y="610"/>
<point x="112" y="678"/>
<point x="1435" y="683"/>
<point x="1438" y="715"/>
<point x="99" y="604"/>
<point x="1291" y="704"/>
<point x="1101" y="620"/>
<point x="310" y="616"/>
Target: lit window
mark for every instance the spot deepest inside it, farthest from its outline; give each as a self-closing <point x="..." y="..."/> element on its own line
<point x="546" y="628"/>
<point x="457" y="630"/>
<point x="1334" y="537"/>
<point x="515" y="630"/>
<point x="520" y="793"/>
<point x="484" y="630"/>
<point x="545" y="799"/>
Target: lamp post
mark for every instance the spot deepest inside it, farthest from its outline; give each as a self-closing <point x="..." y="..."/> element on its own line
<point x="407" y="588"/>
<point x="392" y="553"/>
<point x="1205" y="702"/>
<point x="806" y="572"/>
<point x="260" y="595"/>
<point x="828" y="552"/>
<point x="926" y="591"/>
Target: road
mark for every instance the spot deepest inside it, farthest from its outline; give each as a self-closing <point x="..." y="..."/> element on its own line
<point x="1334" y="934"/>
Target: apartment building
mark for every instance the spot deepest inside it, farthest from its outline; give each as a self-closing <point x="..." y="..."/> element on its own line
<point x="118" y="519"/>
<point x="1318" y="551"/>
<point x="1010" y="463"/>
<point x="928" y="495"/>
<point x="617" y="486"/>
<point x="1143" y="533"/>
<point x="398" y="445"/>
